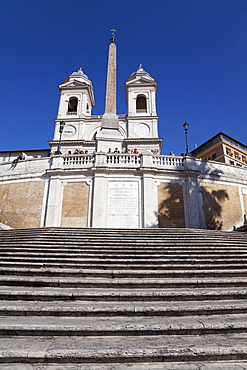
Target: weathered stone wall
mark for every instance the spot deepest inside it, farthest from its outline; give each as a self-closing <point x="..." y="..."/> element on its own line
<point x="187" y="189"/>
<point x="21" y="204"/>
<point x="222" y="207"/>
<point x="75" y="205"/>
<point x="171" y="205"/>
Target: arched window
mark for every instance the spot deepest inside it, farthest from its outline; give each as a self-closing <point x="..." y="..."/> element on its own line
<point x="141" y="104"/>
<point x="72" y="105"/>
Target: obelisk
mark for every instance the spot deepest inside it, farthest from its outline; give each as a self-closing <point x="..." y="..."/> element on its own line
<point x="109" y="135"/>
<point x="110" y="100"/>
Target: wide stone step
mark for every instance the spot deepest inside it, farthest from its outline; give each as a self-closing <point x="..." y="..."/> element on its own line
<point x="56" y="239"/>
<point x="9" y="235"/>
<point x="111" y="262"/>
<point x="123" y="325"/>
<point x="123" y="231"/>
<point x="24" y="247"/>
<point x="197" y="266"/>
<point x="114" y="246"/>
<point x="112" y="295"/>
<point x="94" y="282"/>
<point x="103" y="350"/>
<point x="118" y="274"/>
<point x="103" y="308"/>
<point x="116" y="231"/>
<point x="126" y="256"/>
<point x="117" y="365"/>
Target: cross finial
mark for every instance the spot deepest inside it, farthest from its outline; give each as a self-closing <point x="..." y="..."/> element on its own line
<point x="113" y="38"/>
<point x="81" y="64"/>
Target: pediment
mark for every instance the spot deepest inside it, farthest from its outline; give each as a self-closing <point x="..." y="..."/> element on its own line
<point x="73" y="83"/>
<point x="139" y="80"/>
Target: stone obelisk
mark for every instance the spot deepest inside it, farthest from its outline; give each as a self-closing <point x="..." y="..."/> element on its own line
<point x="109" y="135"/>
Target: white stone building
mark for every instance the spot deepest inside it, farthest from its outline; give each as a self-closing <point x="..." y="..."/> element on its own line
<point x="133" y="188"/>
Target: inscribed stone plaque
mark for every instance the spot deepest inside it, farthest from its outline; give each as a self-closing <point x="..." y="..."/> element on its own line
<point x="123" y="204"/>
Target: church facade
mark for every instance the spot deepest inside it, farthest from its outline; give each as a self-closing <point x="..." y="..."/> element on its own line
<point x="107" y="171"/>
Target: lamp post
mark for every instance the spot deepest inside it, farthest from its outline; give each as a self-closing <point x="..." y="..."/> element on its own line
<point x="186" y="128"/>
<point x="61" y="127"/>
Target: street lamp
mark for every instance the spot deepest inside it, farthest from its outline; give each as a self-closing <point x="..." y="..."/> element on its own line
<point x="61" y="127"/>
<point x="186" y="128"/>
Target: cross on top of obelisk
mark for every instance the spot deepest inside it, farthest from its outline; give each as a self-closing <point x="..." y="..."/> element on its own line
<point x="113" y="38"/>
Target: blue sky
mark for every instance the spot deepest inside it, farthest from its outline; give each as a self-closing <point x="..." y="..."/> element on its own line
<point x="195" y="49"/>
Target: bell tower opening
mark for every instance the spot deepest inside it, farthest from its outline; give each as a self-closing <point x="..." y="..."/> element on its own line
<point x="141" y="104"/>
<point x="72" y="105"/>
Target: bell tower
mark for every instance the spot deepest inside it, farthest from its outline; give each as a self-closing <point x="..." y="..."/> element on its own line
<point x="142" y="119"/>
<point x="76" y="102"/>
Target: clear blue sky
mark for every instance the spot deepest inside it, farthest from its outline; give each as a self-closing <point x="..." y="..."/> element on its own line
<point x="195" y="49"/>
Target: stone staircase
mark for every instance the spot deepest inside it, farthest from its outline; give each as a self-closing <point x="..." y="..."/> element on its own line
<point x="80" y="299"/>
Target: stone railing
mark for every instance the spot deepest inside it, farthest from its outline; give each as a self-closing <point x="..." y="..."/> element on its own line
<point x="123" y="159"/>
<point x="94" y="160"/>
<point x="78" y="160"/>
<point x="167" y="160"/>
<point x="117" y="160"/>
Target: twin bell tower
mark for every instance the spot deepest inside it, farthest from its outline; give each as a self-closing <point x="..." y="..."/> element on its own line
<point x="136" y="130"/>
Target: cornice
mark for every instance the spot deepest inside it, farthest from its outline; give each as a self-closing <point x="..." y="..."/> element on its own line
<point x="142" y="117"/>
<point x="72" y="142"/>
<point x="147" y="141"/>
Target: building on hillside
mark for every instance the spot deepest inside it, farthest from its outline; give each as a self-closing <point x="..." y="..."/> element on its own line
<point x="106" y="171"/>
<point x="223" y="148"/>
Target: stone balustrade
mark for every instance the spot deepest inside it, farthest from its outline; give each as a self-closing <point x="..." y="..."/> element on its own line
<point x="32" y="166"/>
<point x="78" y="160"/>
<point x="120" y="160"/>
<point x="167" y="160"/>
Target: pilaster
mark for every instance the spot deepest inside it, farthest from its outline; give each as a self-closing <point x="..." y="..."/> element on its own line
<point x="54" y="202"/>
<point x="193" y="202"/>
<point x="99" y="201"/>
<point x="150" y="202"/>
